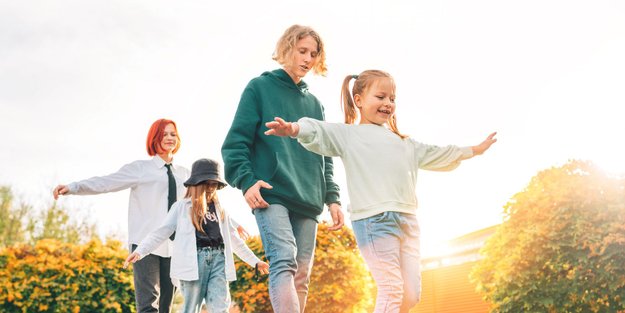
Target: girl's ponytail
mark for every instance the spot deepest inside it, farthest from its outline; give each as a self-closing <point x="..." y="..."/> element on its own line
<point x="347" y="101"/>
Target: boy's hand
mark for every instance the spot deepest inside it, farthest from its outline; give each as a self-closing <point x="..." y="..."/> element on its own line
<point x="337" y="216"/>
<point x="253" y="197"/>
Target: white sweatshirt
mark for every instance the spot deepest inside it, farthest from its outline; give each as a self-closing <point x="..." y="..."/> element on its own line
<point x="381" y="168"/>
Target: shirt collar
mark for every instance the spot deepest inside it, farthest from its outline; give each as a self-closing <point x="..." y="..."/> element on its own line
<point x="160" y="163"/>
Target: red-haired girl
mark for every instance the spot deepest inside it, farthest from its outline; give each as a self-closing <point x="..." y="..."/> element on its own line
<point x="154" y="185"/>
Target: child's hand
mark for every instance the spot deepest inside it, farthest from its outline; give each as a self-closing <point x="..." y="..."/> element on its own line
<point x="59" y="191"/>
<point x="482" y="147"/>
<point x="262" y="267"/>
<point x="282" y="128"/>
<point x="243" y="233"/>
<point x="132" y="258"/>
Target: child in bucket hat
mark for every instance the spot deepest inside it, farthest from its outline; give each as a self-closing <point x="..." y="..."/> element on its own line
<point x="203" y="229"/>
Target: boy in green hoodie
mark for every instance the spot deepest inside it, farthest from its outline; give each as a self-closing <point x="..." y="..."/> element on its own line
<point x="285" y="185"/>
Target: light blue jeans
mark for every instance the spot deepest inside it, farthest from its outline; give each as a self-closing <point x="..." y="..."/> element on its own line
<point x="389" y="243"/>
<point x="289" y="243"/>
<point x="211" y="287"/>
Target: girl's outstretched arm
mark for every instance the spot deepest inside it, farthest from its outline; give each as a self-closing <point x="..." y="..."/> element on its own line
<point x="282" y="128"/>
<point x="60" y="190"/>
<point x="482" y="147"/>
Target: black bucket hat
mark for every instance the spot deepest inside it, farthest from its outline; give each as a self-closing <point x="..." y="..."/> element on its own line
<point x="204" y="170"/>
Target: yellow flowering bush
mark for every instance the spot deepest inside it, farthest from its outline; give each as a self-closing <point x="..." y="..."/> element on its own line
<point x="340" y="281"/>
<point x="60" y="277"/>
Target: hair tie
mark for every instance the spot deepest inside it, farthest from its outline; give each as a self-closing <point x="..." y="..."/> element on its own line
<point x="355" y="76"/>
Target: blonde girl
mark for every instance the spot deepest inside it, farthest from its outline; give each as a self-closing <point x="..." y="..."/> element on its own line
<point x="381" y="167"/>
<point x="202" y="262"/>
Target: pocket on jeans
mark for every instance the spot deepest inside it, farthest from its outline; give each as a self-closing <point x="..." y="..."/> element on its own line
<point x="383" y="233"/>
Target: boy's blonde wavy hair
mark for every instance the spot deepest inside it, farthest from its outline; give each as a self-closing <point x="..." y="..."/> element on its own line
<point x="289" y="39"/>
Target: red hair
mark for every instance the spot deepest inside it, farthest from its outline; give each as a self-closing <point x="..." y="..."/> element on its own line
<point x="155" y="136"/>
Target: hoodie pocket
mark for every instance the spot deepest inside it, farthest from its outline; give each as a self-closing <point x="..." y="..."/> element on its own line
<point x="299" y="179"/>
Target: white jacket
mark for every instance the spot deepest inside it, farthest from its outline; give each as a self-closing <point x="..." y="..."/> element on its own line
<point x="184" y="256"/>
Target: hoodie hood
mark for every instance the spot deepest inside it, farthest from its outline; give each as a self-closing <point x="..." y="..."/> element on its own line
<point x="282" y="77"/>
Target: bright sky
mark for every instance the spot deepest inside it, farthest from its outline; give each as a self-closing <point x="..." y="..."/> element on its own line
<point x="81" y="82"/>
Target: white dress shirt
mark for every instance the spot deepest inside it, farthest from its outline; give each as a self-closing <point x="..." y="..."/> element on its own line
<point x="147" y="206"/>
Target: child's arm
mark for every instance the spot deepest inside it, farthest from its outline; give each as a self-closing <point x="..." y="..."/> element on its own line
<point x="320" y="137"/>
<point x="485" y="145"/>
<point x="447" y="158"/>
<point x="156" y="237"/>
<point x="126" y="177"/>
<point x="242" y="232"/>
<point x="241" y="249"/>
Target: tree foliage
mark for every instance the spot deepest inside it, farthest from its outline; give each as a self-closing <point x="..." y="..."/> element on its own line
<point x="55" y="223"/>
<point x="20" y="223"/>
<point x="561" y="247"/>
<point x="340" y="281"/>
<point x="11" y="218"/>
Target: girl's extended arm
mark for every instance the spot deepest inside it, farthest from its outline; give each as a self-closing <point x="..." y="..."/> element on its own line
<point x="126" y="177"/>
<point x="482" y="147"/>
<point x="239" y="247"/>
<point x="435" y="158"/>
<point x="320" y="137"/>
<point x="240" y="229"/>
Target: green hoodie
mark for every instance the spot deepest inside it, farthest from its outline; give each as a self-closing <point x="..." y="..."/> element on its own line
<point x="302" y="181"/>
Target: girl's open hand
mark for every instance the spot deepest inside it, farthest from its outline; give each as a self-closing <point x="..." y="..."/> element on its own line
<point x="482" y="147"/>
<point x="262" y="267"/>
<point x="132" y="258"/>
<point x="282" y="128"/>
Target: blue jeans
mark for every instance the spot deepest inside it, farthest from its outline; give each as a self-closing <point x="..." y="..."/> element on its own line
<point x="212" y="286"/>
<point x="289" y="243"/>
<point x="389" y="243"/>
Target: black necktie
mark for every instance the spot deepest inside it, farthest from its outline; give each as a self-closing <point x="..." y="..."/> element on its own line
<point x="171" y="194"/>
